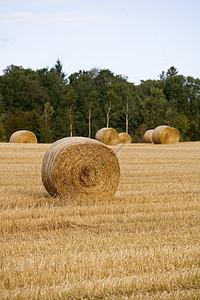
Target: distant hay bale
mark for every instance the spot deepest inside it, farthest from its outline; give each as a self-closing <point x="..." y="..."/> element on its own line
<point x="80" y="168"/>
<point x="124" y="138"/>
<point x="108" y="136"/>
<point x="148" y="136"/>
<point x="23" y="136"/>
<point x="165" y="135"/>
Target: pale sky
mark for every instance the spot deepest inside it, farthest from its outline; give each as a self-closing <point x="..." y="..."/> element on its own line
<point x="135" y="38"/>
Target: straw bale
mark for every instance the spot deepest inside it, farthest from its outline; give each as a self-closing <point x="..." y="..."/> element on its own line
<point x="148" y="136"/>
<point x="124" y="138"/>
<point x="165" y="135"/>
<point x="80" y="168"/>
<point x="108" y="136"/>
<point x="23" y="136"/>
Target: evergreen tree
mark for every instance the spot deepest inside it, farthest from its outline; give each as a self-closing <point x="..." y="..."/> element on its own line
<point x="59" y="69"/>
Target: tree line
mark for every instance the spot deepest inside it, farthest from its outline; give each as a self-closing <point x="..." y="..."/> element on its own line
<point x="54" y="105"/>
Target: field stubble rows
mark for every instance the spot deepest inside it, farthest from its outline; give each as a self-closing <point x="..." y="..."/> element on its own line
<point x="143" y="244"/>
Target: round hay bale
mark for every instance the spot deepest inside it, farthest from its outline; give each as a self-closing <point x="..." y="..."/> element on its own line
<point x="124" y="138"/>
<point x="23" y="136"/>
<point x="148" y="136"/>
<point x="80" y="168"/>
<point x="108" y="136"/>
<point x="165" y="135"/>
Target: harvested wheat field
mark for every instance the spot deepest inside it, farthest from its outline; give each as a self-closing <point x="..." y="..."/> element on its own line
<point x="142" y="244"/>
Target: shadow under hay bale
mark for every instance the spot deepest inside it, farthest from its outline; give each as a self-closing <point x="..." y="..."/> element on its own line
<point x="165" y="135"/>
<point x="80" y="168"/>
<point x="108" y="136"/>
<point x="23" y="136"/>
<point x="148" y="136"/>
<point x="124" y="138"/>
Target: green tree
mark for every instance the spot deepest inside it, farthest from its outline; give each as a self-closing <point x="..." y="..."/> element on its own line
<point x="131" y="107"/>
<point x="37" y="125"/>
<point x="104" y="78"/>
<point x="144" y="89"/>
<point x="66" y="113"/>
<point x="22" y="90"/>
<point x="54" y="84"/>
<point x="138" y="135"/>
<point x="193" y="96"/>
<point x="47" y="134"/>
<point x="59" y="69"/>
<point x="12" y="69"/>
<point x="93" y="111"/>
<point x="183" y="125"/>
<point x="176" y="92"/>
<point x="194" y="131"/>
<point x="2" y="116"/>
<point x="20" y="120"/>
<point x="154" y="108"/>
<point x="2" y="131"/>
<point x="171" y="72"/>
<point x="111" y="105"/>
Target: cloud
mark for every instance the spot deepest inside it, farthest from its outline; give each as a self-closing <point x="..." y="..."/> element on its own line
<point x="41" y="2"/>
<point x="5" y="40"/>
<point x="29" y="18"/>
<point x="54" y="1"/>
<point x="8" y="2"/>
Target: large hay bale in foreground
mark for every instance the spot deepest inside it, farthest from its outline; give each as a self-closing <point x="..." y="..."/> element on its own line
<point x="124" y="138"/>
<point x="165" y="135"/>
<point x="148" y="136"/>
<point x="23" y="136"/>
<point x="108" y="136"/>
<point x="80" y="168"/>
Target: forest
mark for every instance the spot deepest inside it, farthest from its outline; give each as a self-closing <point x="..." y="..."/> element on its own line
<point x="54" y="105"/>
